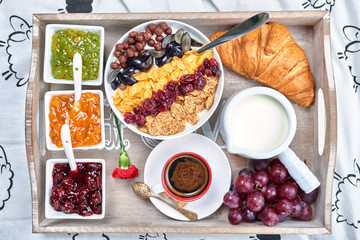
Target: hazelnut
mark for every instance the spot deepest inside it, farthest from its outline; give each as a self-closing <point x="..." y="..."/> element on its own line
<point x="139" y="38"/>
<point x="147" y="30"/>
<point x="132" y="47"/>
<point x="159" y="38"/>
<point x="114" y="65"/>
<point x="139" y="46"/>
<point x="119" y="46"/>
<point x="168" y="31"/>
<point x="163" y="25"/>
<point x="158" y="31"/>
<point x="142" y="51"/>
<point x="126" y="45"/>
<point x="122" y="59"/>
<point x="151" y="42"/>
<point x="147" y="36"/>
<point x="133" y="34"/>
<point x="152" y="27"/>
<point x="157" y="46"/>
<point x="117" y="53"/>
<point x="130" y="40"/>
<point x="136" y="54"/>
<point x="130" y="52"/>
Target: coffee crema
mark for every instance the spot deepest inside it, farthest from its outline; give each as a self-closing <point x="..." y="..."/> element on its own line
<point x="187" y="176"/>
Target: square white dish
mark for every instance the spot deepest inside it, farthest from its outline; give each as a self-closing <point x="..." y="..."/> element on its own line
<point x="50" y="212"/>
<point x="50" y="31"/>
<point x="48" y="95"/>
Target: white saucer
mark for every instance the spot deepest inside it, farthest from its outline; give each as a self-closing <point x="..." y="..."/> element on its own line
<point x="213" y="154"/>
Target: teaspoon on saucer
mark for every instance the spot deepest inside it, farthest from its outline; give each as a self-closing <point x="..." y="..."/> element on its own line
<point x="143" y="191"/>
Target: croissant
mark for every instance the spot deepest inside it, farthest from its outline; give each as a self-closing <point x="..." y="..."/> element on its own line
<point x="270" y="56"/>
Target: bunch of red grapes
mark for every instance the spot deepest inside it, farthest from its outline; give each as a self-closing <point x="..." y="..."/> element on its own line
<point x="269" y="194"/>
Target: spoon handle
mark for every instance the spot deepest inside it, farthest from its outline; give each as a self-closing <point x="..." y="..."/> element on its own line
<point x="189" y="214"/>
<point x="66" y="142"/>
<point x="237" y="31"/>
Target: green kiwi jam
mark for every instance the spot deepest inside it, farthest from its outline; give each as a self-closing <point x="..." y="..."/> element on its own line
<point x="65" y="43"/>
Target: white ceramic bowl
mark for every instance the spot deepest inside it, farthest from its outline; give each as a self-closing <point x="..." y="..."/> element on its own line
<point x="203" y="116"/>
<point x="50" y="31"/>
<point x="50" y="212"/>
<point x="48" y="95"/>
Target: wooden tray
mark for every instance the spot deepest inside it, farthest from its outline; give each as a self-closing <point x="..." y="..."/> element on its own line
<point x="315" y="138"/>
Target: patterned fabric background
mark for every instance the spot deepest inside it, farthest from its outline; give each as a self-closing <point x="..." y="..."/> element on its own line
<point x="15" y="53"/>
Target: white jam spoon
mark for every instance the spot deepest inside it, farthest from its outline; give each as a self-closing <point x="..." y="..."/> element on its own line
<point x="66" y="142"/>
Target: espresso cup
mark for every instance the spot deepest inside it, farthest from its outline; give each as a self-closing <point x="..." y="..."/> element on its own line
<point x="185" y="177"/>
<point x="260" y="123"/>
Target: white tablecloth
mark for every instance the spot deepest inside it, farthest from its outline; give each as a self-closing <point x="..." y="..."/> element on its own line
<point x="15" y="53"/>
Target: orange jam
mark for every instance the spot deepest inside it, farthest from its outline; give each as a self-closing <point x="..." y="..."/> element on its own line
<point x="84" y="119"/>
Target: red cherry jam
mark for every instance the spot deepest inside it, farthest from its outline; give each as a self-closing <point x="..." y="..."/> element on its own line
<point x="77" y="192"/>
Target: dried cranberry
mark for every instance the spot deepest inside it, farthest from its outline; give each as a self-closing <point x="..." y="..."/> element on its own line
<point x="215" y="63"/>
<point x="198" y="74"/>
<point x="67" y="207"/>
<point x="171" y="86"/>
<point x="206" y="63"/>
<point x="165" y="105"/>
<point x="208" y="72"/>
<point x="154" y="112"/>
<point x="139" y="120"/>
<point x="83" y="210"/>
<point x="155" y="96"/>
<point x="161" y="95"/>
<point x="201" y="69"/>
<point x="167" y="93"/>
<point x="129" y="117"/>
<point x="140" y="110"/>
<point x="149" y="104"/>
<point x="177" y="90"/>
<point x="199" y="83"/>
<point x="94" y="198"/>
<point x="188" y="78"/>
<point x="215" y="71"/>
<point x="68" y="183"/>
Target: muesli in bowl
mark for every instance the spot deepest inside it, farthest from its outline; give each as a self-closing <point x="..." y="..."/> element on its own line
<point x="156" y="82"/>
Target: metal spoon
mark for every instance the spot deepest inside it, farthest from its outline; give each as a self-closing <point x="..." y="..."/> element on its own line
<point x="66" y="142"/>
<point x="143" y="191"/>
<point x="241" y="29"/>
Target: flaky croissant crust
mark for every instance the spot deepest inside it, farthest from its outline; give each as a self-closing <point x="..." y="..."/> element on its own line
<point x="270" y="55"/>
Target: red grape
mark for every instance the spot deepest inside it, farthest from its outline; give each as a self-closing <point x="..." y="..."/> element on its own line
<point x="255" y="201"/>
<point x="261" y="178"/>
<point x="260" y="165"/>
<point x="248" y="215"/>
<point x="247" y="172"/>
<point x="243" y="185"/>
<point x="297" y="208"/>
<point x="284" y="207"/>
<point x="275" y="161"/>
<point x="287" y="190"/>
<point x="232" y="199"/>
<point x="308" y="197"/>
<point x="278" y="173"/>
<point x="269" y="216"/>
<point x="307" y="212"/>
<point x="269" y="192"/>
<point x="235" y="216"/>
